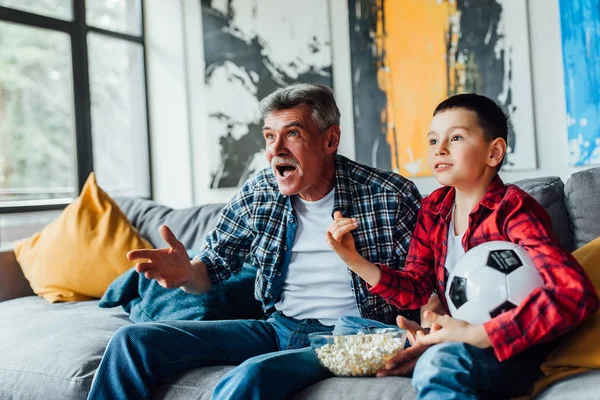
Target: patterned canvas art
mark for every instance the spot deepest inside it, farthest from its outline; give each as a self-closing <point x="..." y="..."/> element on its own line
<point x="408" y="55"/>
<point x="580" y="27"/>
<point x="252" y="47"/>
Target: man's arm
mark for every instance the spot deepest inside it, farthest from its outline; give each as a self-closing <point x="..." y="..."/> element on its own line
<point x="410" y="287"/>
<point x="223" y="252"/>
<point x="228" y="244"/>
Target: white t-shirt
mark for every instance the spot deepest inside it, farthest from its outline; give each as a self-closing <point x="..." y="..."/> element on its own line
<point x="455" y="248"/>
<point x="318" y="283"/>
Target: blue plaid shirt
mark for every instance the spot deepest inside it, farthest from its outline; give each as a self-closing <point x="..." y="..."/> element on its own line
<point x="260" y="221"/>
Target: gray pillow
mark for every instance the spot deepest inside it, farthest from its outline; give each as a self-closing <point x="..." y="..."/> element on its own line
<point x="582" y="196"/>
<point x="549" y="192"/>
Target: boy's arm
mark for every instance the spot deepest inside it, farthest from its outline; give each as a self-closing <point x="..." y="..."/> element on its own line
<point x="408" y="284"/>
<point x="410" y="287"/>
<point x="565" y="300"/>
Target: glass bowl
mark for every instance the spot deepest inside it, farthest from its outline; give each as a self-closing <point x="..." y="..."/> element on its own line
<point x="357" y="355"/>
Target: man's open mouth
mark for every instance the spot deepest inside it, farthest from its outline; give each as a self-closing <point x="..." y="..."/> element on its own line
<point x="285" y="170"/>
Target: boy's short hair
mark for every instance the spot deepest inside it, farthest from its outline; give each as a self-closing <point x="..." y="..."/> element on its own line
<point x="492" y="119"/>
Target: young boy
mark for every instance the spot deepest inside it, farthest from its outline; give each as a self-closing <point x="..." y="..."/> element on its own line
<point x="501" y="358"/>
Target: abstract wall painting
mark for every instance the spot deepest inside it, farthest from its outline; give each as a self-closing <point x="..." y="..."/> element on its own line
<point x="580" y="30"/>
<point x="409" y="55"/>
<point x="252" y="47"/>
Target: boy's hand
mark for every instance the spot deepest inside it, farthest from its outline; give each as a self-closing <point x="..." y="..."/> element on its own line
<point x="404" y="363"/>
<point x="453" y="330"/>
<point x="434" y="304"/>
<point x="340" y="239"/>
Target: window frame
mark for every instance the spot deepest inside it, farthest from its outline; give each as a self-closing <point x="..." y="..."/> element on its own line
<point x="78" y="30"/>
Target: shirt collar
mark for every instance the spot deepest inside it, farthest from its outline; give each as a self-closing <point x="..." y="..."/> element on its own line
<point x="490" y="200"/>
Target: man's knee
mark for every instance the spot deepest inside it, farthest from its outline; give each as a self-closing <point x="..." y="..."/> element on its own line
<point x="127" y="337"/>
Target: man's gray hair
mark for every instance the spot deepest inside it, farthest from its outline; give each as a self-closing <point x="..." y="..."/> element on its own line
<point x="320" y="98"/>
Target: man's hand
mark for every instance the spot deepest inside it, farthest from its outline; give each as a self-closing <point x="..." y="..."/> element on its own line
<point x="340" y="239"/>
<point x="170" y="266"/>
<point x="404" y="363"/>
<point x="453" y="330"/>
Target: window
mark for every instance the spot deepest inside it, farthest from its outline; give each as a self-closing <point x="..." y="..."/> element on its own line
<point x="72" y="100"/>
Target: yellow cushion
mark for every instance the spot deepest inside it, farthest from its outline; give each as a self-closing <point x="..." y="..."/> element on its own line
<point x="78" y="255"/>
<point x="580" y="350"/>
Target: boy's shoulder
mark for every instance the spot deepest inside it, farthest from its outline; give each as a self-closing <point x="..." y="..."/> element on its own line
<point x="498" y="195"/>
<point x="514" y="197"/>
<point x="434" y="200"/>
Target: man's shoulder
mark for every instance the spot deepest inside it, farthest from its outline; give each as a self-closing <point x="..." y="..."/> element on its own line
<point x="376" y="179"/>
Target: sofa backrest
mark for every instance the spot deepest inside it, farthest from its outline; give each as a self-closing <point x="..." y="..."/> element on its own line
<point x="191" y="225"/>
<point x="582" y="198"/>
<point x="550" y="193"/>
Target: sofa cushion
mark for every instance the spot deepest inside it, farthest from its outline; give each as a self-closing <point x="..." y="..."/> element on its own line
<point x="50" y="351"/>
<point x="199" y="383"/>
<point x="190" y="225"/>
<point x="549" y="192"/>
<point x="577" y="387"/>
<point x="388" y="388"/>
<point x="196" y="383"/>
<point x="583" y="205"/>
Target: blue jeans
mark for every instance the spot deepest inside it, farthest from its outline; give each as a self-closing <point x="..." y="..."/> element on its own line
<point x="272" y="355"/>
<point x="462" y="371"/>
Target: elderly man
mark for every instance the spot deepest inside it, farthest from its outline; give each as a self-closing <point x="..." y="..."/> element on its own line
<point x="279" y="218"/>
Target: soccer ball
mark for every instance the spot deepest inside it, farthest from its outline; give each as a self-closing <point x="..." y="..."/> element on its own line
<point x="489" y="279"/>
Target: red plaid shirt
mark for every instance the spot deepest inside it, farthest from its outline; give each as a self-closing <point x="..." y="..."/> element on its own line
<point x="504" y="213"/>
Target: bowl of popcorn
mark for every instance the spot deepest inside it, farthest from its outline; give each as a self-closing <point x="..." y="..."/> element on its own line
<point x="360" y="354"/>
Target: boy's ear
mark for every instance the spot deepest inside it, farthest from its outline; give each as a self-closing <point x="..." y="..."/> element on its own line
<point x="497" y="152"/>
<point x="332" y="139"/>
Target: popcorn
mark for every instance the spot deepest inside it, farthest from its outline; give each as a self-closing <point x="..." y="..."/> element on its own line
<point x="359" y="355"/>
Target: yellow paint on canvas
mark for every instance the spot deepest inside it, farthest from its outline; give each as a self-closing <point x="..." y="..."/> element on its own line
<point x="414" y="38"/>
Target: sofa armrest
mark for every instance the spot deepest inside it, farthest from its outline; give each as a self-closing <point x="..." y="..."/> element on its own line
<point x="12" y="281"/>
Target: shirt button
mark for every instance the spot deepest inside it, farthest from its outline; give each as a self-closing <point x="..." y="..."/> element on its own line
<point x="444" y="242"/>
<point x="440" y="283"/>
<point x="278" y="273"/>
<point x="285" y="247"/>
<point x="292" y="220"/>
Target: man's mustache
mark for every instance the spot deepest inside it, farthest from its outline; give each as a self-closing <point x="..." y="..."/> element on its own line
<point x="275" y="161"/>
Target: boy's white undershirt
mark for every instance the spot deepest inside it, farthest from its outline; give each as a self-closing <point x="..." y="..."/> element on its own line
<point x="318" y="283"/>
<point x="455" y="249"/>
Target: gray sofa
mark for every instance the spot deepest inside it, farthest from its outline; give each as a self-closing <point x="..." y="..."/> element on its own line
<point x="50" y="351"/>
